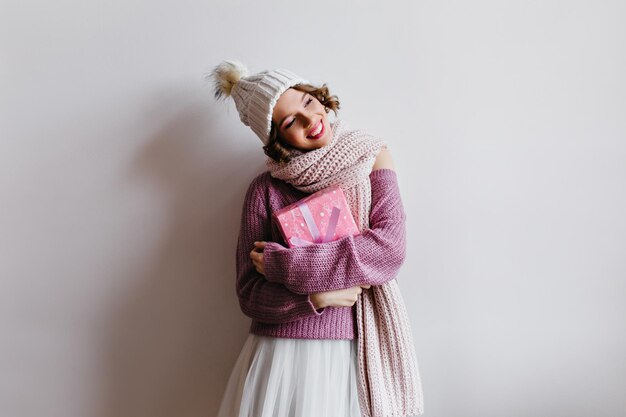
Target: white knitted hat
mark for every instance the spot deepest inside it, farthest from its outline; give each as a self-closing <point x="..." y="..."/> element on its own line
<point x="255" y="95"/>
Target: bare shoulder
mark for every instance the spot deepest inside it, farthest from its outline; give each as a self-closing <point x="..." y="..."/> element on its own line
<point x="383" y="160"/>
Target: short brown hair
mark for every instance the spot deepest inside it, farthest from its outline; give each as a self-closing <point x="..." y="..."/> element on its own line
<point x="276" y="148"/>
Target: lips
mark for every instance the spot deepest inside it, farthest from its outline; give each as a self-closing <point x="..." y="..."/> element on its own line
<point x="320" y="134"/>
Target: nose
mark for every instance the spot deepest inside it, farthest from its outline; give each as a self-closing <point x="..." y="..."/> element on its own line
<point x="308" y="119"/>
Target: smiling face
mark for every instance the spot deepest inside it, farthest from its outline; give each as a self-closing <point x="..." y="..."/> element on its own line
<point x="301" y="120"/>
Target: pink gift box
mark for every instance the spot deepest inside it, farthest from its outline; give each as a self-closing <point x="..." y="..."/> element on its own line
<point x="321" y="217"/>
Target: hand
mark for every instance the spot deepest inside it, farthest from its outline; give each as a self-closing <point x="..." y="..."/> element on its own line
<point x="337" y="298"/>
<point x="257" y="256"/>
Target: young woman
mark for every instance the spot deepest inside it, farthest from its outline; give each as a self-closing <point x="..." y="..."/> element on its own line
<point x="300" y="357"/>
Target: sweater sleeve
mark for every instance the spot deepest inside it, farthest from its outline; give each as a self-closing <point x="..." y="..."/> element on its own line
<point x="269" y="302"/>
<point x="372" y="257"/>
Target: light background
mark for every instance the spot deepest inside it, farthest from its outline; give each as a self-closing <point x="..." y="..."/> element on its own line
<point x="122" y="183"/>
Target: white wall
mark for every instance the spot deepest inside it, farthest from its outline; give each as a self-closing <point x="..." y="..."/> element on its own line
<point x="122" y="183"/>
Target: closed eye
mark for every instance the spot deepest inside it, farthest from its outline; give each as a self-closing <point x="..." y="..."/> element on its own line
<point x="306" y="104"/>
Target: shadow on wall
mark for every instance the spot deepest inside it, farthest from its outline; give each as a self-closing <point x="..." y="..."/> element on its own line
<point x="169" y="344"/>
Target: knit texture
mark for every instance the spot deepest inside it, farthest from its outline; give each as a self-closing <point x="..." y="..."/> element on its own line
<point x="278" y="302"/>
<point x="255" y="95"/>
<point x="346" y="160"/>
<point x="389" y="383"/>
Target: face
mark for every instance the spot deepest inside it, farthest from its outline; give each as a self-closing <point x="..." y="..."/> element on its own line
<point x="298" y="116"/>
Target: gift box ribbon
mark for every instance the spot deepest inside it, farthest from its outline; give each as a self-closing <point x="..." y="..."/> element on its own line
<point x="310" y="223"/>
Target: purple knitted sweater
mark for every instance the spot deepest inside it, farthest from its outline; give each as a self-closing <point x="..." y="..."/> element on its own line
<point x="278" y="302"/>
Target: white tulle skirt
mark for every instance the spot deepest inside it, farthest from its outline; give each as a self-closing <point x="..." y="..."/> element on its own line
<point x="280" y="377"/>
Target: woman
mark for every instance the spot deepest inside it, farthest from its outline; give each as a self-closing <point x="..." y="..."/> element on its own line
<point x="300" y="358"/>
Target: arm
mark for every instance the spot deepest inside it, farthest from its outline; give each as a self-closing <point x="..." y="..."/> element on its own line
<point x="372" y="257"/>
<point x="269" y="302"/>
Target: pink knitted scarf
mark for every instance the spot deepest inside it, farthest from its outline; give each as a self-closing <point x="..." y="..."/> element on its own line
<point x="346" y="160"/>
<point x="389" y="382"/>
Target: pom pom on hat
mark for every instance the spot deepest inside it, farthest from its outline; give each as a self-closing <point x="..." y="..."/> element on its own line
<point x="225" y="76"/>
<point x="254" y="95"/>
